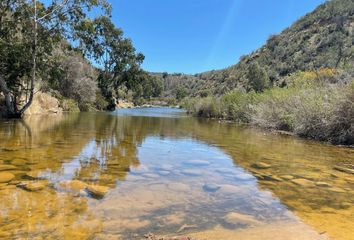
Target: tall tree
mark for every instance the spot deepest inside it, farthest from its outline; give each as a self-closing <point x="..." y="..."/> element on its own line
<point x="114" y="54"/>
<point x="28" y="32"/>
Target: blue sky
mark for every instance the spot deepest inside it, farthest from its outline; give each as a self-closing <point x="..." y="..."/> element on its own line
<point x="193" y="36"/>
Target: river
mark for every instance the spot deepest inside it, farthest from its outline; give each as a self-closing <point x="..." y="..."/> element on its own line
<point x="124" y="174"/>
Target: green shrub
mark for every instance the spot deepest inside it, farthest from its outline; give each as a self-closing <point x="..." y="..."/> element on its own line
<point x="237" y="105"/>
<point x="69" y="105"/>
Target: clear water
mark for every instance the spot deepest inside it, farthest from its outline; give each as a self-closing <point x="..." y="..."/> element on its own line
<point x="170" y="174"/>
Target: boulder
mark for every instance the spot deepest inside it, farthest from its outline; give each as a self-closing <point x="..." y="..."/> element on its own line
<point x="6" y="177"/>
<point x="43" y="103"/>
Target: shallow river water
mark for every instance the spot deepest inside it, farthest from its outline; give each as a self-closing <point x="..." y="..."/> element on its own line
<point x="124" y="174"/>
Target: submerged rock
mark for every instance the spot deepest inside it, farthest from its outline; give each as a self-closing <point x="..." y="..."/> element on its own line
<point x="73" y="185"/>
<point x="211" y="187"/>
<point x="6" y="177"/>
<point x="235" y="218"/>
<point x="18" y="162"/>
<point x="303" y="182"/>
<point x="33" y="186"/>
<point x="6" y="167"/>
<point x="270" y="177"/>
<point x="337" y="190"/>
<point x="344" y="169"/>
<point x="287" y="177"/>
<point x="260" y="165"/>
<point x="323" y="184"/>
<point x="34" y="175"/>
<point x="97" y="191"/>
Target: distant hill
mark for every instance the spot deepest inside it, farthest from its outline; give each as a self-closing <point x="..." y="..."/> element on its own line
<point x="322" y="38"/>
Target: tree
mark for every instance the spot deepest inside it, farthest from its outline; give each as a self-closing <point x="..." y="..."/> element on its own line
<point x="181" y="93"/>
<point x="257" y="77"/>
<point x="28" y="33"/>
<point x="101" y="41"/>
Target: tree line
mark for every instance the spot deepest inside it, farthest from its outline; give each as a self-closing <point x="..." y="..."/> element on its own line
<point x="61" y="47"/>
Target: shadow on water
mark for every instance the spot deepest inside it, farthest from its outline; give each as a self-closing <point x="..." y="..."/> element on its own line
<point x="157" y="171"/>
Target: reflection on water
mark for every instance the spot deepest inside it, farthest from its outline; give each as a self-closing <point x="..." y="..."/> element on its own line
<point x="122" y="175"/>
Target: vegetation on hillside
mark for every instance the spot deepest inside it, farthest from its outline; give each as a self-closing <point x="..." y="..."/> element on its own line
<point x="300" y="81"/>
<point x="321" y="39"/>
<point x="317" y="105"/>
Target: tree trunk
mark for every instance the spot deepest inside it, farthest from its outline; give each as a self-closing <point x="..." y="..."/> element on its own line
<point x="10" y="100"/>
<point x="34" y="58"/>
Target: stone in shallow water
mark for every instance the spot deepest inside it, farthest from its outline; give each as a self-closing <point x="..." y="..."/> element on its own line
<point x="97" y="191"/>
<point x="73" y="185"/>
<point x="34" y="175"/>
<point x="323" y="184"/>
<point x="33" y="186"/>
<point x="260" y="165"/>
<point x="287" y="177"/>
<point x="6" y="177"/>
<point x="6" y="167"/>
<point x="303" y="182"/>
<point x="344" y="169"/>
<point x="211" y="187"/>
<point x="337" y="190"/>
<point x="270" y="177"/>
<point x="235" y="218"/>
<point x="18" y="162"/>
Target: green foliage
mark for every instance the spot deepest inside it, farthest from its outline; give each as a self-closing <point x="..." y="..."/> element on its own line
<point x="257" y="77"/>
<point x="69" y="105"/>
<point x="181" y="93"/>
<point x="312" y="106"/>
<point x="237" y="105"/>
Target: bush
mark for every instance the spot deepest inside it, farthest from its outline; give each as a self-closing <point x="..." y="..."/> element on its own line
<point x="237" y="105"/>
<point x="311" y="106"/>
<point x="69" y="105"/>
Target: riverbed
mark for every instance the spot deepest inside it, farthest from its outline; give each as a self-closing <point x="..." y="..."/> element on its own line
<point x="124" y="174"/>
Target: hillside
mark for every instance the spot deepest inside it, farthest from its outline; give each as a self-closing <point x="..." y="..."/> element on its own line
<point x="320" y="39"/>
